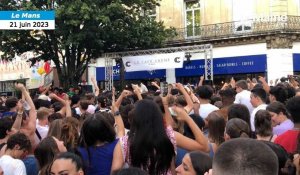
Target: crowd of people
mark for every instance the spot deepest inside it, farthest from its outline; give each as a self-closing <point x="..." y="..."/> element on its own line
<point x="244" y="128"/>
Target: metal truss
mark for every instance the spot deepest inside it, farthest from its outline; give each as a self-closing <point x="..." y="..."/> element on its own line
<point x="191" y="49"/>
<point x="205" y="48"/>
<point x="209" y="68"/>
<point x="109" y="78"/>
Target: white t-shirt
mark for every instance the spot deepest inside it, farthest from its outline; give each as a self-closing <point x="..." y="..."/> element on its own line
<point x="43" y="131"/>
<point x="77" y="110"/>
<point x="243" y="97"/>
<point x="11" y="166"/>
<point x="252" y="117"/>
<point x="205" y="109"/>
<point x="91" y="110"/>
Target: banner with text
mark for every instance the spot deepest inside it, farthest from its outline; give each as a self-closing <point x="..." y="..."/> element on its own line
<point x="225" y="66"/>
<point x="27" y="20"/>
<point x="153" y="62"/>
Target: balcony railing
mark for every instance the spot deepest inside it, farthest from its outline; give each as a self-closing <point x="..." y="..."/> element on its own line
<point x="259" y="26"/>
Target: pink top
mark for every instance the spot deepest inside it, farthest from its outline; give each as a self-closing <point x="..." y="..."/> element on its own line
<point x="124" y="145"/>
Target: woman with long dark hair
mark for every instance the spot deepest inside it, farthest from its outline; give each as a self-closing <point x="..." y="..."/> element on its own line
<point x="46" y="151"/>
<point x="148" y="145"/>
<point x="97" y="146"/>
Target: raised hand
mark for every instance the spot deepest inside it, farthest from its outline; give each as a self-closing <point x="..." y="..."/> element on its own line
<point x="153" y="83"/>
<point x="179" y="86"/>
<point x="19" y="86"/>
<point x="125" y="93"/>
<point x="201" y="78"/>
<point x="262" y="79"/>
<point x="136" y="88"/>
<point x="181" y="113"/>
<point x="232" y="82"/>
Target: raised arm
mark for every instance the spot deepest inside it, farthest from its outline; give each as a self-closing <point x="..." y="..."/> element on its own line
<point x="193" y="96"/>
<point x="94" y="82"/>
<point x="232" y="82"/>
<point x="201" y="79"/>
<point x="187" y="98"/>
<point x="137" y="91"/>
<point x="118" y="119"/>
<point x="62" y="111"/>
<point x="167" y="115"/>
<point x="57" y="98"/>
<point x="46" y="89"/>
<point x="18" y="121"/>
<point x="225" y="86"/>
<point x="264" y="84"/>
<point x="200" y="142"/>
<point x="124" y="94"/>
<point x="196" y="103"/>
<point x="153" y="83"/>
<point x="32" y="112"/>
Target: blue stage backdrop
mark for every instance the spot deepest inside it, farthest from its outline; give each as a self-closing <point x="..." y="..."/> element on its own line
<point x="296" y="60"/>
<point x="100" y="74"/>
<point x="228" y="65"/>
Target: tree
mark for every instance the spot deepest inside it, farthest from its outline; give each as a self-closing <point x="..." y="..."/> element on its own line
<point x="84" y="29"/>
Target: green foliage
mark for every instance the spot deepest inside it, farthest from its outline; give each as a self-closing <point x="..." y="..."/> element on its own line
<point x="84" y="29"/>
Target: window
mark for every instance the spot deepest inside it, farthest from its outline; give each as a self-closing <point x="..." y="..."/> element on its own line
<point x="192" y="18"/>
<point x="151" y="12"/>
<point x="243" y="14"/>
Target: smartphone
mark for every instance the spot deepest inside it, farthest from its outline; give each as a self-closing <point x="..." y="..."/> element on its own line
<point x="173" y="113"/>
<point x="164" y="88"/>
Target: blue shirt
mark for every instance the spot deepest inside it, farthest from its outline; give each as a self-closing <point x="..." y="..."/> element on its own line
<point x="179" y="156"/>
<point x="98" y="160"/>
<point x="7" y="114"/>
<point x="31" y="165"/>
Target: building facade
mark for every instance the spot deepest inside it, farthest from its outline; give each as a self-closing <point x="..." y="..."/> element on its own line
<point x="249" y="38"/>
